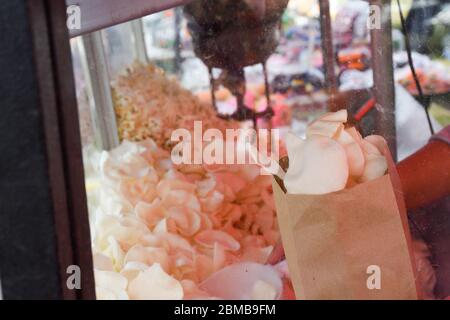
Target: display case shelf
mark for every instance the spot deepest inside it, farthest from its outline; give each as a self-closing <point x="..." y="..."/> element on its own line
<point x="99" y="14"/>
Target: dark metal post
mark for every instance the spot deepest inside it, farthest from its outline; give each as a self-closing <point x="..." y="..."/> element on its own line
<point x="98" y="84"/>
<point x="327" y="45"/>
<point x="383" y="74"/>
<point x="177" y="43"/>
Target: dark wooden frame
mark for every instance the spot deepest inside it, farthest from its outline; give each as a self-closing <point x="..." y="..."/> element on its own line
<point x="43" y="210"/>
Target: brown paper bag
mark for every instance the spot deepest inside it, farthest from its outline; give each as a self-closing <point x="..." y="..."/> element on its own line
<point x="336" y="243"/>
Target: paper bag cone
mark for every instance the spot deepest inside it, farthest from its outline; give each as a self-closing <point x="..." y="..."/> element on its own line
<point x="351" y="244"/>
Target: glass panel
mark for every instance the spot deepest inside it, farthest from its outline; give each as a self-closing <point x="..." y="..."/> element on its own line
<point x="84" y="110"/>
<point x="119" y="47"/>
<point x="174" y="203"/>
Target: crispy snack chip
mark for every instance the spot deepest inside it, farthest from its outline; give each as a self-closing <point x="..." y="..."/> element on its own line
<point x="332" y="157"/>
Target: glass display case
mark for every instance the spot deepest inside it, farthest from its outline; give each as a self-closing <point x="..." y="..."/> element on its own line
<point x="114" y="197"/>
